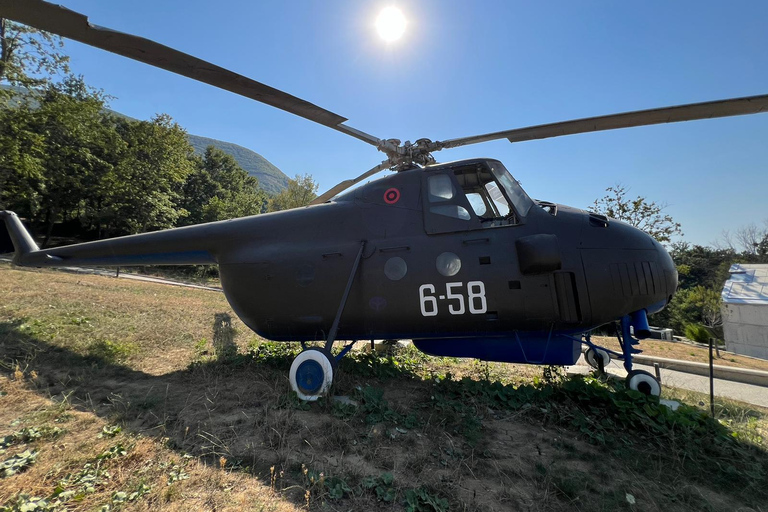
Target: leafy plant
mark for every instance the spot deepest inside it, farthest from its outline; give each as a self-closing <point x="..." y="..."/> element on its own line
<point x="29" y="435"/>
<point x="420" y="500"/>
<point x="382" y="486"/>
<point x="113" y="452"/>
<point x="18" y="463"/>
<point x="110" y="430"/>
<point x="372" y="403"/>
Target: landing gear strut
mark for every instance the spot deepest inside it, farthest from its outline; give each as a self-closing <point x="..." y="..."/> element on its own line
<point x="312" y="371"/>
<point x="598" y="357"/>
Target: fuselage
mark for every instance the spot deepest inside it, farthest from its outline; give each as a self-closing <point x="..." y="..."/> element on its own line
<point x="426" y="274"/>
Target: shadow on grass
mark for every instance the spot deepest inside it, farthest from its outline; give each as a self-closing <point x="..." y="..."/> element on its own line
<point x="240" y="410"/>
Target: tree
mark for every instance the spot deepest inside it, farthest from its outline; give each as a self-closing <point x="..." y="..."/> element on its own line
<point x="638" y="212"/>
<point x="28" y="56"/>
<point x="750" y="239"/>
<point x="220" y="189"/>
<point x="300" y="192"/>
<point x="143" y="193"/>
<point x="54" y="146"/>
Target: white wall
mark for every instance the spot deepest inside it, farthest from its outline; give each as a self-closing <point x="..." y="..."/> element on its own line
<point x="746" y="329"/>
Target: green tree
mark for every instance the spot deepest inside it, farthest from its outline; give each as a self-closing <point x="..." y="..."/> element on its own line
<point x="300" y="192"/>
<point x="54" y="146"/>
<point x="28" y="56"/>
<point x="639" y="212"/>
<point x="143" y="191"/>
<point x="22" y="156"/>
<point x="220" y="189"/>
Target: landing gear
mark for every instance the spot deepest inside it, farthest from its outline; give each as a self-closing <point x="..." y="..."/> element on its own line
<point x="312" y="373"/>
<point x="644" y="382"/>
<point x="597" y="358"/>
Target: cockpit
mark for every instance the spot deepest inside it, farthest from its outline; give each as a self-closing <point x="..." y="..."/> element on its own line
<point x="473" y="195"/>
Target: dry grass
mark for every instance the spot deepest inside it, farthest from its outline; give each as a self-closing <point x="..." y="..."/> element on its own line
<point x="686" y="352"/>
<point x="245" y="442"/>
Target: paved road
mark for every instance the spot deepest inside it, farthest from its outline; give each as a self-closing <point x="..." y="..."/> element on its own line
<point x="757" y="395"/>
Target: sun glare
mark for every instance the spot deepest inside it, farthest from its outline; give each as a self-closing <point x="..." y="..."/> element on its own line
<point x="390" y="24"/>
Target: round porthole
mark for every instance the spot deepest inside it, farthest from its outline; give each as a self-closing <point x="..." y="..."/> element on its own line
<point x="448" y="264"/>
<point x="395" y="268"/>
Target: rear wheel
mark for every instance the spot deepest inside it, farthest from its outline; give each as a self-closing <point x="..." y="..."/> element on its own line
<point x="644" y="382"/>
<point x="311" y="373"/>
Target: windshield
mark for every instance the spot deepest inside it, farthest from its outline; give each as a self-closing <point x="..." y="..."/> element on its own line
<point x="515" y="192"/>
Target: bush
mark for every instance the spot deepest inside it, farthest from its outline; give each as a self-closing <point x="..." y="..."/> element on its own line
<point x="697" y="332"/>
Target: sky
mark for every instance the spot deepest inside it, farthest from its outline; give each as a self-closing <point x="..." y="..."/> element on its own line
<point x="465" y="68"/>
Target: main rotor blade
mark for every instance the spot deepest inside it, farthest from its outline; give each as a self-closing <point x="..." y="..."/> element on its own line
<point x="344" y="185"/>
<point x="70" y="24"/>
<point x="691" y="112"/>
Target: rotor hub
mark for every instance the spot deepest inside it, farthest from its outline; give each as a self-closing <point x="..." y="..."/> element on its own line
<point x="403" y="156"/>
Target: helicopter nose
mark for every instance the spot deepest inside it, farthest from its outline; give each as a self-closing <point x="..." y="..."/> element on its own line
<point x="627" y="270"/>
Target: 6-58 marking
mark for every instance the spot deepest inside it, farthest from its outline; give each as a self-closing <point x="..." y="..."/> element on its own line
<point x="476" y="303"/>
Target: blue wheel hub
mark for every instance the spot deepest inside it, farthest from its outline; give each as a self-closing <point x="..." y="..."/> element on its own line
<point x="310" y="377"/>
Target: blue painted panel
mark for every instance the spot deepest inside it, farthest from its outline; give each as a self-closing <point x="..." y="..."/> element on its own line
<point x="523" y="347"/>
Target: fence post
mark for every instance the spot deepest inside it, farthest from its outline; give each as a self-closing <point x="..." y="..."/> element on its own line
<point x="711" y="379"/>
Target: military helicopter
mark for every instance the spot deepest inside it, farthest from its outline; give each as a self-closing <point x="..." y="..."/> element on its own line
<point x="455" y="256"/>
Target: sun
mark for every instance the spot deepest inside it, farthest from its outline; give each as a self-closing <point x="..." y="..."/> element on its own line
<point x="390" y="24"/>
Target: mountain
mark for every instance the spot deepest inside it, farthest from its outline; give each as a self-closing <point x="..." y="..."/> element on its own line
<point x="271" y="179"/>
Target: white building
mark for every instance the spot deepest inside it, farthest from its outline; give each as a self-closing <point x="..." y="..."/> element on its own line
<point x="745" y="310"/>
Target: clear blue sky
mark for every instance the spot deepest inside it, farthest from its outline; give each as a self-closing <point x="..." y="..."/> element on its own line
<point x="465" y="68"/>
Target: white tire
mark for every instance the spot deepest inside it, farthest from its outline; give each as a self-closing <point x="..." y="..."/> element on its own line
<point x="311" y="374"/>
<point x="644" y="382"/>
<point x="591" y="355"/>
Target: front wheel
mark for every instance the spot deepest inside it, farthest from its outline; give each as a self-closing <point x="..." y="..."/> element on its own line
<point x="592" y="354"/>
<point x="311" y="373"/>
<point x="644" y="382"/>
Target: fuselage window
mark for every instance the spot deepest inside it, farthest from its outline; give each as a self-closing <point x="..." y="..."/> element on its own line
<point x="440" y="188"/>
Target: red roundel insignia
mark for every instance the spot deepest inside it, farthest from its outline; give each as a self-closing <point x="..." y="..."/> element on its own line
<point x="391" y="196"/>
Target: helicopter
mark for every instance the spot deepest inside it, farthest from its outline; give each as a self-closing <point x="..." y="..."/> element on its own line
<point x="454" y="256"/>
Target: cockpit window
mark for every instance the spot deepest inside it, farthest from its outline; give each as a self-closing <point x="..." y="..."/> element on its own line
<point x="485" y="196"/>
<point x="515" y="192"/>
<point x="499" y="201"/>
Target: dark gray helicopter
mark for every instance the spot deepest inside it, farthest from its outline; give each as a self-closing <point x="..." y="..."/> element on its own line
<point x="454" y="256"/>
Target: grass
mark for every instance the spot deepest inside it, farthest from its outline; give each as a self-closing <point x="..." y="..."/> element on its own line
<point x="126" y="401"/>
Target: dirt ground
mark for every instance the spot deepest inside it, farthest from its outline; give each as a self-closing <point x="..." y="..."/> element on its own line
<point x="200" y="431"/>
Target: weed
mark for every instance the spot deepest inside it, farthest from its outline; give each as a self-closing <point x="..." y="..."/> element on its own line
<point x="112" y="351"/>
<point x="420" y="500"/>
<point x="374" y="406"/>
<point x="27" y="503"/>
<point x="382" y="486"/>
<point x="290" y="400"/>
<point x="110" y="431"/>
<point x="18" y="463"/>
<point x="29" y="435"/>
<point x="112" y="452"/>
<point x="176" y="474"/>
